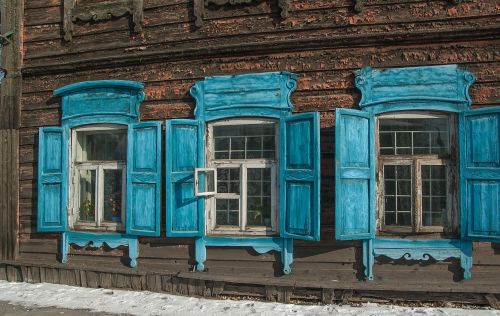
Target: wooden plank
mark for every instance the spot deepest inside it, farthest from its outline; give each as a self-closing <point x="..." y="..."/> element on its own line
<point x="8" y="193"/>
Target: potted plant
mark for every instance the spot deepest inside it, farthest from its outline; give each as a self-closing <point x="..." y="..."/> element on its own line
<point x="259" y="214"/>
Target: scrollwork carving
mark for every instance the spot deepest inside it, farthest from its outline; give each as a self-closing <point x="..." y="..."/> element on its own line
<point x="79" y="11"/>
<point x="200" y="6"/>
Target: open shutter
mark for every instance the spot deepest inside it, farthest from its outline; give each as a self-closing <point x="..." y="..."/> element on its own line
<point x="185" y="152"/>
<point x="144" y="179"/>
<point x="480" y="174"/>
<point x="354" y="175"/>
<point x="52" y="179"/>
<point x="300" y="176"/>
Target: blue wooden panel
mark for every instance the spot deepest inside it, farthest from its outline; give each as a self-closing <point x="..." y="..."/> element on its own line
<point x="185" y="151"/>
<point x="301" y="223"/>
<point x="354" y="175"/>
<point x="145" y="158"/>
<point x="480" y="174"/>
<point x="102" y="101"/>
<point x="484" y="202"/>
<point x="52" y="179"/>
<point x="143" y="215"/>
<point x="260" y="94"/>
<point x="303" y="156"/>
<point x="484" y="153"/>
<point x="443" y="88"/>
<point x="300" y="176"/>
<point x="359" y="209"/>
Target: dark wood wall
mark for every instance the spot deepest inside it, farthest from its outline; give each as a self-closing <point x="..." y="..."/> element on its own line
<point x="323" y="41"/>
<point x="10" y="93"/>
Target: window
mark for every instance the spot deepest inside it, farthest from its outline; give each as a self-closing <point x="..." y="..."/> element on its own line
<point x="416" y="167"/>
<point x="407" y="156"/>
<point x="99" y="154"/>
<point x="243" y="152"/>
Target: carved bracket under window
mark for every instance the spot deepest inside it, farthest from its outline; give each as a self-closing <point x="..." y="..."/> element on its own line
<point x="200" y="5"/>
<point x="78" y="10"/>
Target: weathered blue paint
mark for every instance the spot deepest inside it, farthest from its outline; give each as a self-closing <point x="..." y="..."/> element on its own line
<point x="113" y="240"/>
<point x="52" y="179"/>
<point x="440" y="249"/>
<point x="259" y="244"/>
<point x="250" y="95"/>
<point x="143" y="215"/>
<point x="300" y="176"/>
<point x="480" y="174"/>
<point x="103" y="101"/>
<point x="436" y="88"/>
<point x="106" y="102"/>
<point x="185" y="151"/>
<point x="354" y="175"/>
<point x="441" y="88"/>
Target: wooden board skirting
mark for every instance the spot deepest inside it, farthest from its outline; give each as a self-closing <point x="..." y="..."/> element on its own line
<point x="200" y="285"/>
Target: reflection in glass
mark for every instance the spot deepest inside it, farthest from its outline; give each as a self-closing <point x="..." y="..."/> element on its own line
<point x="227" y="212"/>
<point x="101" y="145"/>
<point x="259" y="197"/>
<point x="414" y="136"/>
<point x="87" y="182"/>
<point x="113" y="195"/>
<point x="434" y="198"/>
<point x="249" y="141"/>
<point x="398" y="205"/>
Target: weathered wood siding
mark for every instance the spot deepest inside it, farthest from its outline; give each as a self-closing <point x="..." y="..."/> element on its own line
<point x="10" y="95"/>
<point x="323" y="41"/>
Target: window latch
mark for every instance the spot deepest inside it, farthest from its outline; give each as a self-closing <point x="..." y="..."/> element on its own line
<point x="4" y="38"/>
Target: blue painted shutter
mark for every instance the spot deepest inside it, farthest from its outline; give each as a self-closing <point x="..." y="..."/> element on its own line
<point x="185" y="152"/>
<point x="354" y="175"/>
<point x="144" y="179"/>
<point x="52" y="179"/>
<point x="480" y="174"/>
<point x="300" y="176"/>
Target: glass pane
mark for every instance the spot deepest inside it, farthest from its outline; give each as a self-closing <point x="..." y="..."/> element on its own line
<point x="227" y="212"/>
<point x="404" y="187"/>
<point x="398" y="205"/>
<point x="248" y="141"/>
<point x="390" y="218"/>
<point x="414" y="136"/>
<point x="404" y="219"/>
<point x="259" y="197"/>
<point x="434" y="197"/>
<point x="113" y="195"/>
<point x="102" y="145"/>
<point x="87" y="182"/>
<point x="228" y="180"/>
<point x="206" y="180"/>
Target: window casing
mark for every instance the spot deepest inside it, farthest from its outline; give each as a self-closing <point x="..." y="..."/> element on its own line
<point x="416" y="173"/>
<point x="98" y="177"/>
<point x="245" y="155"/>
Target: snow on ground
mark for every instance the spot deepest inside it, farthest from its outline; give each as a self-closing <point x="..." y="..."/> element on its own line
<point x="147" y="303"/>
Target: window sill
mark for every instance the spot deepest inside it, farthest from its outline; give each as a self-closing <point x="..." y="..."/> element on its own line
<point x="259" y="244"/>
<point x="93" y="239"/>
<point x="412" y="249"/>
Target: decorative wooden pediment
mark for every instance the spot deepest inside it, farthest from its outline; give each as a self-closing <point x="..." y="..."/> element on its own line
<point x="200" y="6"/>
<point x="81" y="10"/>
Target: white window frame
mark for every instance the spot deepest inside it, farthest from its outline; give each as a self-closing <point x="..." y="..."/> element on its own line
<point x="243" y="164"/>
<point x="417" y="161"/>
<point x="99" y="166"/>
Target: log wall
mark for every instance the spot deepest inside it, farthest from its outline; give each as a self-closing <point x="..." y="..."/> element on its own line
<point x="323" y="41"/>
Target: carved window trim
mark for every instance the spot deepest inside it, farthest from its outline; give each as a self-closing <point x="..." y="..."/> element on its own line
<point x="200" y="7"/>
<point x="102" y="11"/>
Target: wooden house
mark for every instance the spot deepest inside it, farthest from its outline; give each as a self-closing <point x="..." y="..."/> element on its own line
<point x="291" y="150"/>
